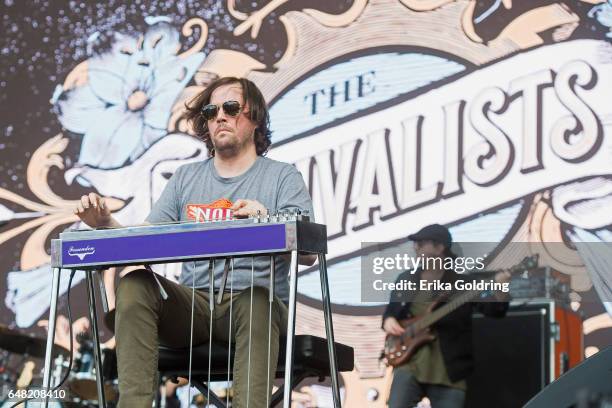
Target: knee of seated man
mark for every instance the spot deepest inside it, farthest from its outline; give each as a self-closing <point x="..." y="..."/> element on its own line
<point x="261" y="304"/>
<point x="133" y="286"/>
<point x="260" y="296"/>
<point x="260" y="301"/>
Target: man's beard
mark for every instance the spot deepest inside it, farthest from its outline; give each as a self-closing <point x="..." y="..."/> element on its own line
<point x="230" y="147"/>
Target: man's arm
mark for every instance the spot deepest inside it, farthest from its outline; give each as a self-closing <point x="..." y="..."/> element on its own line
<point x="292" y="194"/>
<point x="396" y="310"/>
<point x="307" y="259"/>
<point x="93" y="211"/>
<point x="243" y="208"/>
<point x="167" y="208"/>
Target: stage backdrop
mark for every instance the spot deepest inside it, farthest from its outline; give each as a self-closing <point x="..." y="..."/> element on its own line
<point x="493" y="117"/>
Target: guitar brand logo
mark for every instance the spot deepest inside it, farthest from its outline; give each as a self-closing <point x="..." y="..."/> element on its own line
<point x="81" y="253"/>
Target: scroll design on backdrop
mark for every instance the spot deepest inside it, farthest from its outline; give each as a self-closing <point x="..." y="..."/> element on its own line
<point x="188" y="31"/>
<point x="254" y="20"/>
<point x="523" y="23"/>
<point x="52" y="212"/>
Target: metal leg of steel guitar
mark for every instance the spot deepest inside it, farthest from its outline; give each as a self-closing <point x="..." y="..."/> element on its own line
<point x="293" y="270"/>
<point x="51" y="334"/>
<point x="329" y="330"/>
<point x="96" y="337"/>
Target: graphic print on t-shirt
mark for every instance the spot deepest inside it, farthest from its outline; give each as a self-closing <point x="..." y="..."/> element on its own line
<point x="218" y="210"/>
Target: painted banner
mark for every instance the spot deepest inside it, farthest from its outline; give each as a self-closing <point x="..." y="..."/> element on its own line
<point x="492" y="117"/>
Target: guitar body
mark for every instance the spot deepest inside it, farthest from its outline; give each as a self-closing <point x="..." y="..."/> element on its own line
<point x="399" y="349"/>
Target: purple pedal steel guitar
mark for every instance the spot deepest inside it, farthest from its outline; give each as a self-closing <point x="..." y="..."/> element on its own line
<point x="150" y="244"/>
<point x="281" y="233"/>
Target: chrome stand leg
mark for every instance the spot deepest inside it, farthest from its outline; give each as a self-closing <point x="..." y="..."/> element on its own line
<point x="293" y="270"/>
<point x="329" y="330"/>
<point x="51" y="334"/>
<point x="99" y="274"/>
<point x="96" y="338"/>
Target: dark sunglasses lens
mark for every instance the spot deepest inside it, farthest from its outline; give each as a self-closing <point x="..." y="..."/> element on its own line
<point x="231" y="108"/>
<point x="210" y="111"/>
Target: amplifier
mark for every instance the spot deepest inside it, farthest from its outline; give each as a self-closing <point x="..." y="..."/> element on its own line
<point x="542" y="283"/>
<point x="517" y="356"/>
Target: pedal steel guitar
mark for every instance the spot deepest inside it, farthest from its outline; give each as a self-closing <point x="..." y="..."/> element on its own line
<point x="281" y="233"/>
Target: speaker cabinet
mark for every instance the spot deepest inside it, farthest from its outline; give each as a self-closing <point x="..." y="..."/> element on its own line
<point x="517" y="356"/>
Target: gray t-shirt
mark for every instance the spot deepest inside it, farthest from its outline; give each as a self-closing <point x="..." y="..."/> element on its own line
<point x="277" y="186"/>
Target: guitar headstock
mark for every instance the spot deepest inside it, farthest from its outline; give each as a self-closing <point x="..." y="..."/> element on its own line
<point x="529" y="262"/>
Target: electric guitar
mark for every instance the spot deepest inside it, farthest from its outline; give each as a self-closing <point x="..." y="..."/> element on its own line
<point x="399" y="349"/>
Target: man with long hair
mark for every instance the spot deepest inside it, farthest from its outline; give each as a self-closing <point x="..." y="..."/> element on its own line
<point x="231" y="116"/>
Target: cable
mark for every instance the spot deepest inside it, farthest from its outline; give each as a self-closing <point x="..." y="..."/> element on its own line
<point x="21" y="401"/>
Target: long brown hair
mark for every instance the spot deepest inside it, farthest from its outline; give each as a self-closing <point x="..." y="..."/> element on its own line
<point x="258" y="113"/>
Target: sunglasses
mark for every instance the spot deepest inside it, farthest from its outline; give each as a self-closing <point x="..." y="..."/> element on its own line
<point x="230" y="108"/>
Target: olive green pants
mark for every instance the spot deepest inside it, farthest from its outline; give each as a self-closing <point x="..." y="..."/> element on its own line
<point x="144" y="321"/>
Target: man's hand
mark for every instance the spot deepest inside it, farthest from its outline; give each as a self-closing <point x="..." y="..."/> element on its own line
<point x="502" y="277"/>
<point x="92" y="210"/>
<point x="244" y="208"/>
<point x="391" y="326"/>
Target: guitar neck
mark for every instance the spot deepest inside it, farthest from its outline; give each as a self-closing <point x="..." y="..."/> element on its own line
<point x="448" y="308"/>
<point x="468" y="296"/>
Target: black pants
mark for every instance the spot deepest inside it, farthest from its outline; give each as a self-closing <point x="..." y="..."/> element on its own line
<point x="406" y="392"/>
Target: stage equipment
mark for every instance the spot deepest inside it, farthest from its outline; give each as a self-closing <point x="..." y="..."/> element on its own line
<point x="281" y="233"/>
<point x="586" y="385"/>
<point x="517" y="356"/>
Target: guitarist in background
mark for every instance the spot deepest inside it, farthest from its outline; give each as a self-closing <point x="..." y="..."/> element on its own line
<point x="437" y="369"/>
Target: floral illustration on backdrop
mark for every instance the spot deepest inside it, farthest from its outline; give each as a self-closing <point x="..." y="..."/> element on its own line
<point x="121" y="101"/>
<point x="603" y="14"/>
<point x="124" y="106"/>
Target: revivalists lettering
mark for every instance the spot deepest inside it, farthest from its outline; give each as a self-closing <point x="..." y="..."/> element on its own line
<point x="480" y="142"/>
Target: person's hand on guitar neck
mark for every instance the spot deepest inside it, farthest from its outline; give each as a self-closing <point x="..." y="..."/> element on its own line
<point x="502" y="277"/>
<point x="93" y="211"/>
<point x="391" y="326"/>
